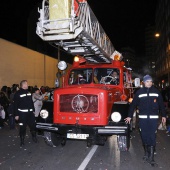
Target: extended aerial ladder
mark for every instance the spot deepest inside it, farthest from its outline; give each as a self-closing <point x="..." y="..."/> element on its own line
<point x="72" y="25"/>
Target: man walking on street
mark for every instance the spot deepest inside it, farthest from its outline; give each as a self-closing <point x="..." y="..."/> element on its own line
<point x="149" y="102"/>
<point x="23" y="110"/>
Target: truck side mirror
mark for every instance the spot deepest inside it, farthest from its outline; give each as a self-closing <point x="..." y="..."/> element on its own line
<point x="137" y="82"/>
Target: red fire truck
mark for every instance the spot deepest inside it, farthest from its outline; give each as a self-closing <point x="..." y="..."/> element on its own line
<point x="94" y="98"/>
<point x="91" y="105"/>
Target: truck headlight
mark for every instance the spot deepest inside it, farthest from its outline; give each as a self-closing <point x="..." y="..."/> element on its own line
<point x="44" y="114"/>
<point x="116" y="116"/>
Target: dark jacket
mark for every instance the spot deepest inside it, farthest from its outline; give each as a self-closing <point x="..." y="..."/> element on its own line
<point x="23" y="100"/>
<point x="11" y="109"/>
<point x="149" y="101"/>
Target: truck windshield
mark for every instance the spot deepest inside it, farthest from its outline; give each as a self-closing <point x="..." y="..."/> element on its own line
<point x="106" y="76"/>
<point x="80" y="76"/>
<point x="97" y="76"/>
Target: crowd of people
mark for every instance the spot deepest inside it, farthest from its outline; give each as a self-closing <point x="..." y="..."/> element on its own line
<point x="7" y="99"/>
<point x="166" y="96"/>
<point x="22" y="104"/>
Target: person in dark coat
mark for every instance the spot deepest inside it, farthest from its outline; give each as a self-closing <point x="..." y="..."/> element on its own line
<point x="164" y="93"/>
<point x="11" y="115"/>
<point x="1" y="119"/>
<point x="149" y="102"/>
<point x="24" y="111"/>
<point x="10" y="109"/>
<point x="4" y="101"/>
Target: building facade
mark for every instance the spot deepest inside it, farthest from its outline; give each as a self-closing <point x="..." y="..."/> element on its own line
<point x="162" y="50"/>
<point x="150" y="57"/>
<point x="134" y="62"/>
<point x="20" y="63"/>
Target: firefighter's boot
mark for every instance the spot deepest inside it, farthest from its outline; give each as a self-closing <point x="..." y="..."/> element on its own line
<point x="22" y="137"/>
<point x="146" y="154"/>
<point x="151" y="160"/>
<point x="34" y="137"/>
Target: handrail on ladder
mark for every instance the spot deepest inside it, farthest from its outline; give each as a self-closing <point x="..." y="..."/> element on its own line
<point x="79" y="33"/>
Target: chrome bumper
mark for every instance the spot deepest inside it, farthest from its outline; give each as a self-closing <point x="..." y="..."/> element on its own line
<point x="46" y="126"/>
<point x="113" y="130"/>
<point x="106" y="130"/>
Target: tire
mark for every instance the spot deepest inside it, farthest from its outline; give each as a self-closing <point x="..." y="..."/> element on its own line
<point x="123" y="143"/>
<point x="52" y="139"/>
<point x="63" y="142"/>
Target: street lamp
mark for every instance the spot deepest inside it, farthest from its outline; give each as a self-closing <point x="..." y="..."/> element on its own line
<point x="157" y="35"/>
<point x="156" y="52"/>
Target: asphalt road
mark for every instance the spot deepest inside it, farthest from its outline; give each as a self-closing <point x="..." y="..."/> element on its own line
<point x="75" y="155"/>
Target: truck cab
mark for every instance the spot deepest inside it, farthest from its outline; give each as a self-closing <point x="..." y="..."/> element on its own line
<point x="91" y="105"/>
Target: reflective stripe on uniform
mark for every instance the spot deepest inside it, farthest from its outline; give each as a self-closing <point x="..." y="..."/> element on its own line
<point x="153" y="94"/>
<point x="22" y="95"/>
<point x="21" y="124"/>
<point x="154" y="116"/>
<point x="150" y="116"/>
<point x="143" y="116"/>
<point x="150" y="94"/>
<point x="142" y="95"/>
<point x="25" y="110"/>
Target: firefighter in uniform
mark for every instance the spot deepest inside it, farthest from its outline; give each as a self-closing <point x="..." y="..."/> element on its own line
<point x="24" y="111"/>
<point x="149" y="102"/>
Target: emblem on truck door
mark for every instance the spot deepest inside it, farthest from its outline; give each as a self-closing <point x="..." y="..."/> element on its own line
<point x="80" y="103"/>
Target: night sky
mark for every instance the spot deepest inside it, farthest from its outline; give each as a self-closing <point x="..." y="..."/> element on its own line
<point x="124" y="21"/>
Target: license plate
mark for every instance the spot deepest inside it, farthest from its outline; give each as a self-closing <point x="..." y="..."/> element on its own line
<point x="77" y="136"/>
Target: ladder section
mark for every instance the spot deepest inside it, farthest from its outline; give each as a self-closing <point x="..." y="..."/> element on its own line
<point x="72" y="25"/>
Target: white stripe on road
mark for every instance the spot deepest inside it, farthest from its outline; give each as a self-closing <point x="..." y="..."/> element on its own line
<point x="88" y="158"/>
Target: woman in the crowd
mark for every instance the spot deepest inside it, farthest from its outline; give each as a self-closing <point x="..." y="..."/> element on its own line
<point x="38" y="101"/>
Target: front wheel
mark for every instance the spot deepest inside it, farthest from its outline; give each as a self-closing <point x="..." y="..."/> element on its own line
<point x="123" y="143"/>
<point x="52" y="139"/>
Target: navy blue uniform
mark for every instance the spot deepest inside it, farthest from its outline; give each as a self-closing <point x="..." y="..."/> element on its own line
<point x="24" y="108"/>
<point x="149" y="102"/>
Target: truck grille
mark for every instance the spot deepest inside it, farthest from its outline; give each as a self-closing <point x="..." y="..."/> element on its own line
<point x="79" y="103"/>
